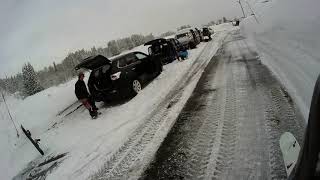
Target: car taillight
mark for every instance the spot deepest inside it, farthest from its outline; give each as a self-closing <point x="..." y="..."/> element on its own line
<point x="115" y="76"/>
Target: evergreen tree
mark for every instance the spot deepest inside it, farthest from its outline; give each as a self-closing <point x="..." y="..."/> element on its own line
<point x="30" y="80"/>
<point x="113" y="47"/>
<point x="137" y="39"/>
<point x="168" y="33"/>
<point x="224" y="19"/>
<point x="129" y="43"/>
<point x="149" y="37"/>
<point x="183" y="27"/>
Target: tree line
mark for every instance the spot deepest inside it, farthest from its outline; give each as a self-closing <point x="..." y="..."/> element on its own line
<point x="29" y="81"/>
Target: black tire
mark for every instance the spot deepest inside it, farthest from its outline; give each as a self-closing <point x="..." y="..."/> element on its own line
<point x="159" y="69"/>
<point x="135" y="86"/>
<point x="193" y="45"/>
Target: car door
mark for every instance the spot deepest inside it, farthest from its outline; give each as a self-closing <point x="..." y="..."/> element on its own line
<point x="130" y="66"/>
<point x="145" y="62"/>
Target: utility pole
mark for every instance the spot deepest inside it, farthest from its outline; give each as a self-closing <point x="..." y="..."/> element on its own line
<point x="252" y="12"/>
<point x="239" y="1"/>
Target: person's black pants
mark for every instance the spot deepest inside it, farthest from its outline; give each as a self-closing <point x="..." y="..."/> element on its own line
<point x="92" y="103"/>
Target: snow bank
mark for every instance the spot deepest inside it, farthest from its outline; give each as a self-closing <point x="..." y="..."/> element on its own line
<point x="35" y="113"/>
<point x="287" y="39"/>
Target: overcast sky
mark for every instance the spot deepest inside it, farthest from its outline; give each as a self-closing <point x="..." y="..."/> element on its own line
<point x="43" y="31"/>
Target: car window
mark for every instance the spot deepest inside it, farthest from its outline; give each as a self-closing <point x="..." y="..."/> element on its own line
<point x="181" y="35"/>
<point x="96" y="73"/>
<point x="130" y="58"/>
<point x="140" y="56"/>
<point x="122" y="62"/>
<point x="127" y="60"/>
<point x="105" y="68"/>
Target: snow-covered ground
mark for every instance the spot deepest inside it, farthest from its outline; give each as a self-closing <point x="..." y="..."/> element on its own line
<point x="77" y="134"/>
<point x="287" y="39"/>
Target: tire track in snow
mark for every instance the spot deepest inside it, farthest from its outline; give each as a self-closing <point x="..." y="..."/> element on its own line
<point x="192" y="136"/>
<point x="229" y="128"/>
<point x="208" y="131"/>
<point x="280" y="115"/>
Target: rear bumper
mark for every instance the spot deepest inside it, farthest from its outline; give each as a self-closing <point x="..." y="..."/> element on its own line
<point x="106" y="95"/>
<point x="116" y="91"/>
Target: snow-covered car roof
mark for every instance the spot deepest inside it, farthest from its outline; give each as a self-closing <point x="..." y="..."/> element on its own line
<point x="184" y="31"/>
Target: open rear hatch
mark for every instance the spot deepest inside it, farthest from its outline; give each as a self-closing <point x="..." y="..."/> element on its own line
<point x="99" y="79"/>
<point x="93" y="62"/>
<point x="156" y="41"/>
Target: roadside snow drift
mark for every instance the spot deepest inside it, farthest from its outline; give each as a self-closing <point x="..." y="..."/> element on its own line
<point x="288" y="41"/>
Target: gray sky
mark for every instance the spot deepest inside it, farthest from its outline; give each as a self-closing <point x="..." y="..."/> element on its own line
<point x="43" y="31"/>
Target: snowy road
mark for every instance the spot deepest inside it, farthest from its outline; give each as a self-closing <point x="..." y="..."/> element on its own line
<point x="231" y="125"/>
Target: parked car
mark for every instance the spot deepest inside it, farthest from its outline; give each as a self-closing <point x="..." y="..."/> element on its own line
<point x="236" y="22"/>
<point x="182" y="51"/>
<point x="121" y="76"/>
<point x="200" y="34"/>
<point x="164" y="49"/>
<point x="211" y="30"/>
<point x="186" y="39"/>
<point x="196" y="36"/>
<point x="177" y="44"/>
<point x="206" y="34"/>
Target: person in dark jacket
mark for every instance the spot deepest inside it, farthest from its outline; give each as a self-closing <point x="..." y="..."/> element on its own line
<point x="84" y="96"/>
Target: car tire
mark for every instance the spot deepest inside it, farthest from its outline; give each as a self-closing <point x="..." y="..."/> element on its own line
<point x="159" y="69"/>
<point x="193" y="45"/>
<point x="136" y="87"/>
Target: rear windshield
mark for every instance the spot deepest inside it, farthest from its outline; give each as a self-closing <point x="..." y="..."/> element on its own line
<point x="103" y="70"/>
<point x="182" y="35"/>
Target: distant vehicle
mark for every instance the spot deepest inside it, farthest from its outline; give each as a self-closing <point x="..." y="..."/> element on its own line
<point x="186" y="38"/>
<point x="211" y="30"/>
<point x="206" y="34"/>
<point x="200" y="34"/>
<point x="236" y="22"/>
<point x="163" y="49"/>
<point x="121" y="76"/>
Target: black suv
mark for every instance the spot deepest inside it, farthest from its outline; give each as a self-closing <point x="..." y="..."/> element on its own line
<point x="164" y="49"/>
<point x="121" y="76"/>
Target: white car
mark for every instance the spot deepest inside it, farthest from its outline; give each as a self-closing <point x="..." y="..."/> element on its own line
<point x="185" y="38"/>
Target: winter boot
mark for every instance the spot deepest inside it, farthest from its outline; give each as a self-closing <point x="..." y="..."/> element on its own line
<point x="93" y="114"/>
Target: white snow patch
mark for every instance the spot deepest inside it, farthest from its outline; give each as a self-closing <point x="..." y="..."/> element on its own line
<point x="288" y="42"/>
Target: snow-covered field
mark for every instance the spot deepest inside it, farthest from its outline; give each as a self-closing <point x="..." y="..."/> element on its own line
<point x="77" y="134"/>
<point x="287" y="39"/>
